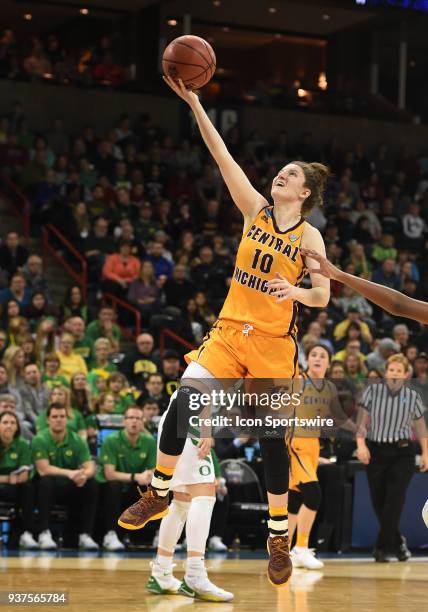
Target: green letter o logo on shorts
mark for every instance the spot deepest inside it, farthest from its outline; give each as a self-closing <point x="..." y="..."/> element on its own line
<point x="205" y="470"/>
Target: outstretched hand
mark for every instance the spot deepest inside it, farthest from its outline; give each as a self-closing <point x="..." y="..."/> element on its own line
<point x="179" y="88"/>
<point x="326" y="268"/>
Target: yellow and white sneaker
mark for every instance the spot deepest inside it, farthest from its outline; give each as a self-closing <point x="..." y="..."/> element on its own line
<point x="200" y="587"/>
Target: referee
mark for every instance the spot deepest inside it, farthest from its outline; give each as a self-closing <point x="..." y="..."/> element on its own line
<point x="388" y="409"/>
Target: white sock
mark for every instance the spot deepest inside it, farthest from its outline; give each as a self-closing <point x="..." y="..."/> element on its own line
<point x="172" y="525"/>
<point x="197" y="530"/>
<point x="195" y="566"/>
<point x="164" y="562"/>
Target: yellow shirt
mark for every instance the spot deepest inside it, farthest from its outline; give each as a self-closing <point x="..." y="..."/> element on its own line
<point x="265" y="250"/>
<point x="71" y="364"/>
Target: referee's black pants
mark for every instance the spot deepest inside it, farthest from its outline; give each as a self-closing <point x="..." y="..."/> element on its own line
<point x="389" y="474"/>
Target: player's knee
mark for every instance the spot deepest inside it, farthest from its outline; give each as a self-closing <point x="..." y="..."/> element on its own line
<point x="311" y="495"/>
<point x="276" y="464"/>
<point x="183" y="406"/>
<point x="294" y="501"/>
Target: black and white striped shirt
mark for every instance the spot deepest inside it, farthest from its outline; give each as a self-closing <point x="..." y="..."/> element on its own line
<point x="391" y="413"/>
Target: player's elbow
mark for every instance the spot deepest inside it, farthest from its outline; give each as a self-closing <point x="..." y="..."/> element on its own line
<point x="323" y="298"/>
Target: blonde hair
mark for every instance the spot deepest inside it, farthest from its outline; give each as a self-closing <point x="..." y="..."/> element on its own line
<point x="67" y="398"/>
<point x="9" y="361"/>
<point x="98" y="401"/>
<point x="102" y="342"/>
<point x="398" y="358"/>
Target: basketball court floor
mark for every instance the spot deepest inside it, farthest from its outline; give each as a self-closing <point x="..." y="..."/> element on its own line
<point x="113" y="583"/>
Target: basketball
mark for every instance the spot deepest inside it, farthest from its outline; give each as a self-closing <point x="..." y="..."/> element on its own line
<point x="191" y="59"/>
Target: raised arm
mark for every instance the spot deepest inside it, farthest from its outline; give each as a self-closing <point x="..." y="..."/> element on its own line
<point x="392" y="301"/>
<point x="247" y="199"/>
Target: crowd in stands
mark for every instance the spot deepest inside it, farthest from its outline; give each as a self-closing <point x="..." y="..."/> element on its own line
<point x="158" y="229"/>
<point x="48" y="59"/>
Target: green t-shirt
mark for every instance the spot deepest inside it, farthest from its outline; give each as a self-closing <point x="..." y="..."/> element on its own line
<point x="118" y="451"/>
<point x="55" y="381"/>
<point x="97" y="373"/>
<point x="69" y="454"/>
<point x="76" y="423"/>
<point x="94" y="331"/>
<point x="123" y="402"/>
<point x="14" y="456"/>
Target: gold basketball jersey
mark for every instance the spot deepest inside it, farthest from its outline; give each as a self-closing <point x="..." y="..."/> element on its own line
<point x="316" y="401"/>
<point x="265" y="250"/>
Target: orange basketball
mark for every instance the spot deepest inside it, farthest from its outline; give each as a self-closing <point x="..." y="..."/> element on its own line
<point x="191" y="59"/>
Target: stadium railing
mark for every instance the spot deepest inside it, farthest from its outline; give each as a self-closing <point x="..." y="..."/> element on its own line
<point x="168" y="333"/>
<point x="50" y="236"/>
<point x="20" y="204"/>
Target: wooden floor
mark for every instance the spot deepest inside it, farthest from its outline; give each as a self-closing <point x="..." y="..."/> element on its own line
<point x="114" y="584"/>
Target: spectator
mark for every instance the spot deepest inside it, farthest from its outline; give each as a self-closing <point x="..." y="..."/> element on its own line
<point x="105" y="327"/>
<point x="376" y="360"/>
<point x="101" y="366"/>
<point x="45" y="339"/>
<point x="15" y="479"/>
<point x="17" y="291"/>
<point x="33" y="392"/>
<point x="414" y="228"/>
<point x="144" y="292"/>
<point x="37" y="64"/>
<point x="51" y="377"/>
<point x="9" y="402"/>
<point x="353" y="347"/>
<point x="386" y="275"/>
<point x="352" y="316"/>
<point x="80" y="394"/>
<point x="75" y="325"/>
<point x="70" y="362"/>
<point x="385" y="250"/>
<point x="12" y="254"/>
<point x="127" y="458"/>
<point x="155" y="390"/>
<point x="66" y="475"/>
<point x="60" y="396"/>
<point x="162" y="266"/>
<point x="38" y="309"/>
<point x="35" y="279"/>
<point x="14" y="360"/>
<point x="74" y="305"/>
<point x="178" y="289"/>
<point x="171" y="371"/>
<point x="401" y="336"/>
<point x="139" y="363"/>
<point x="123" y="396"/>
<point x="6" y="388"/>
<point x="97" y="246"/>
<point x="119" y="270"/>
<point x="355" y="371"/>
<point x="193" y="319"/>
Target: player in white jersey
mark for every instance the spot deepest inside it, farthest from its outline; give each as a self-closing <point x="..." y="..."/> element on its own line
<point x="193" y="486"/>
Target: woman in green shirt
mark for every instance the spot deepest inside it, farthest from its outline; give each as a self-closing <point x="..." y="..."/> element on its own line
<point x="51" y="378"/>
<point x="75" y="420"/>
<point x="15" y="472"/>
<point x="101" y="365"/>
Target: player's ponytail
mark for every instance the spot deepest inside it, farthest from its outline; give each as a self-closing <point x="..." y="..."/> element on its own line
<point x="316" y="177"/>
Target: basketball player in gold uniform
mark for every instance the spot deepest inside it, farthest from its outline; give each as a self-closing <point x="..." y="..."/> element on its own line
<point x="254" y="336"/>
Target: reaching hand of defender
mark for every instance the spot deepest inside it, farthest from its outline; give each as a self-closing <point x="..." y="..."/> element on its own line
<point x="179" y="88"/>
<point x="326" y="268"/>
<point x="204" y="446"/>
<point x="283" y="290"/>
